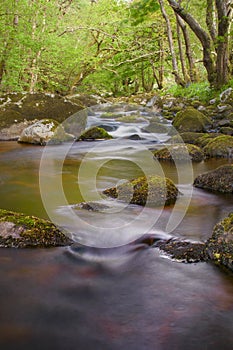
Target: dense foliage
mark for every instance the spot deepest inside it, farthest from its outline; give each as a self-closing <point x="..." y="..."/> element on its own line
<point x="118" y="46"/>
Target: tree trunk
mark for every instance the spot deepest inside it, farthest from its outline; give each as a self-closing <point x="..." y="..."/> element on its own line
<point x="188" y="50"/>
<point x="202" y="36"/>
<point x="181" y="53"/>
<point x="211" y="20"/>
<point x="222" y="62"/>
<point x="171" y="45"/>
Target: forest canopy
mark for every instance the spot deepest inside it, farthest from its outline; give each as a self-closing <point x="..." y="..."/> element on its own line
<point x="117" y="47"/>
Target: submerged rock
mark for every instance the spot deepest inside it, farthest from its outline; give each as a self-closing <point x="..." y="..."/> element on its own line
<point x="44" y="131"/>
<point x="95" y="133"/>
<point x="191" y="119"/>
<point x="220" y="179"/>
<point x="180" y="152"/>
<point x="220" y="147"/>
<point x="220" y="245"/>
<point x="152" y="190"/>
<point x="22" y="231"/>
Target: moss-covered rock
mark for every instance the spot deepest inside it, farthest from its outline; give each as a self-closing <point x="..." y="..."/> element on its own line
<point x="43" y="132"/>
<point x="151" y="190"/>
<point x="220" y="179"/>
<point x="180" y="152"/>
<point x="221" y="146"/>
<point x="218" y="248"/>
<point x="191" y="119"/>
<point x="226" y="130"/>
<point x="186" y="137"/>
<point x="35" y="106"/>
<point x="95" y="133"/>
<point x="203" y="140"/>
<point x="220" y="245"/>
<point x="22" y="231"/>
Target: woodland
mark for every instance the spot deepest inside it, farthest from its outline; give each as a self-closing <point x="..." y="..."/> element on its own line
<point x="115" y="47"/>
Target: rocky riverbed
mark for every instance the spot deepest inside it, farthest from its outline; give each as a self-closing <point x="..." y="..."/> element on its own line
<point x="207" y="131"/>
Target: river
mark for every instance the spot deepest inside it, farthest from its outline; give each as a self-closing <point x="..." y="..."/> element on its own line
<point x="106" y="292"/>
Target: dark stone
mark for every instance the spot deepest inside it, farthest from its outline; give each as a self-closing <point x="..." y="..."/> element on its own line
<point x="219" y="180"/>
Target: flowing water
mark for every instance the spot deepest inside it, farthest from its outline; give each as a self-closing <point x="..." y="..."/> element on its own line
<point x="106" y="291"/>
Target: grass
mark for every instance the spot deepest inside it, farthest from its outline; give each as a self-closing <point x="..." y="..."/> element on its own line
<point x="200" y="91"/>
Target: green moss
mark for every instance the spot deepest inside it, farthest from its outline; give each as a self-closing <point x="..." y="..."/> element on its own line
<point x="95" y="133"/>
<point x="191" y="119"/>
<point x="221" y="146"/>
<point x="151" y="190"/>
<point x="31" y="232"/>
<point x="180" y="152"/>
<point x="202" y="141"/>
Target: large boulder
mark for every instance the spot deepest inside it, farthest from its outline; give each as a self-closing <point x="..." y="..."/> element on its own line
<point x="191" y="119"/>
<point x="13" y="132"/>
<point x="180" y="152"/>
<point x="220" y="179"/>
<point x="220" y="147"/>
<point x="18" y="107"/>
<point x="220" y="246"/>
<point x="152" y="190"/>
<point x="22" y="231"/>
<point x="43" y="132"/>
